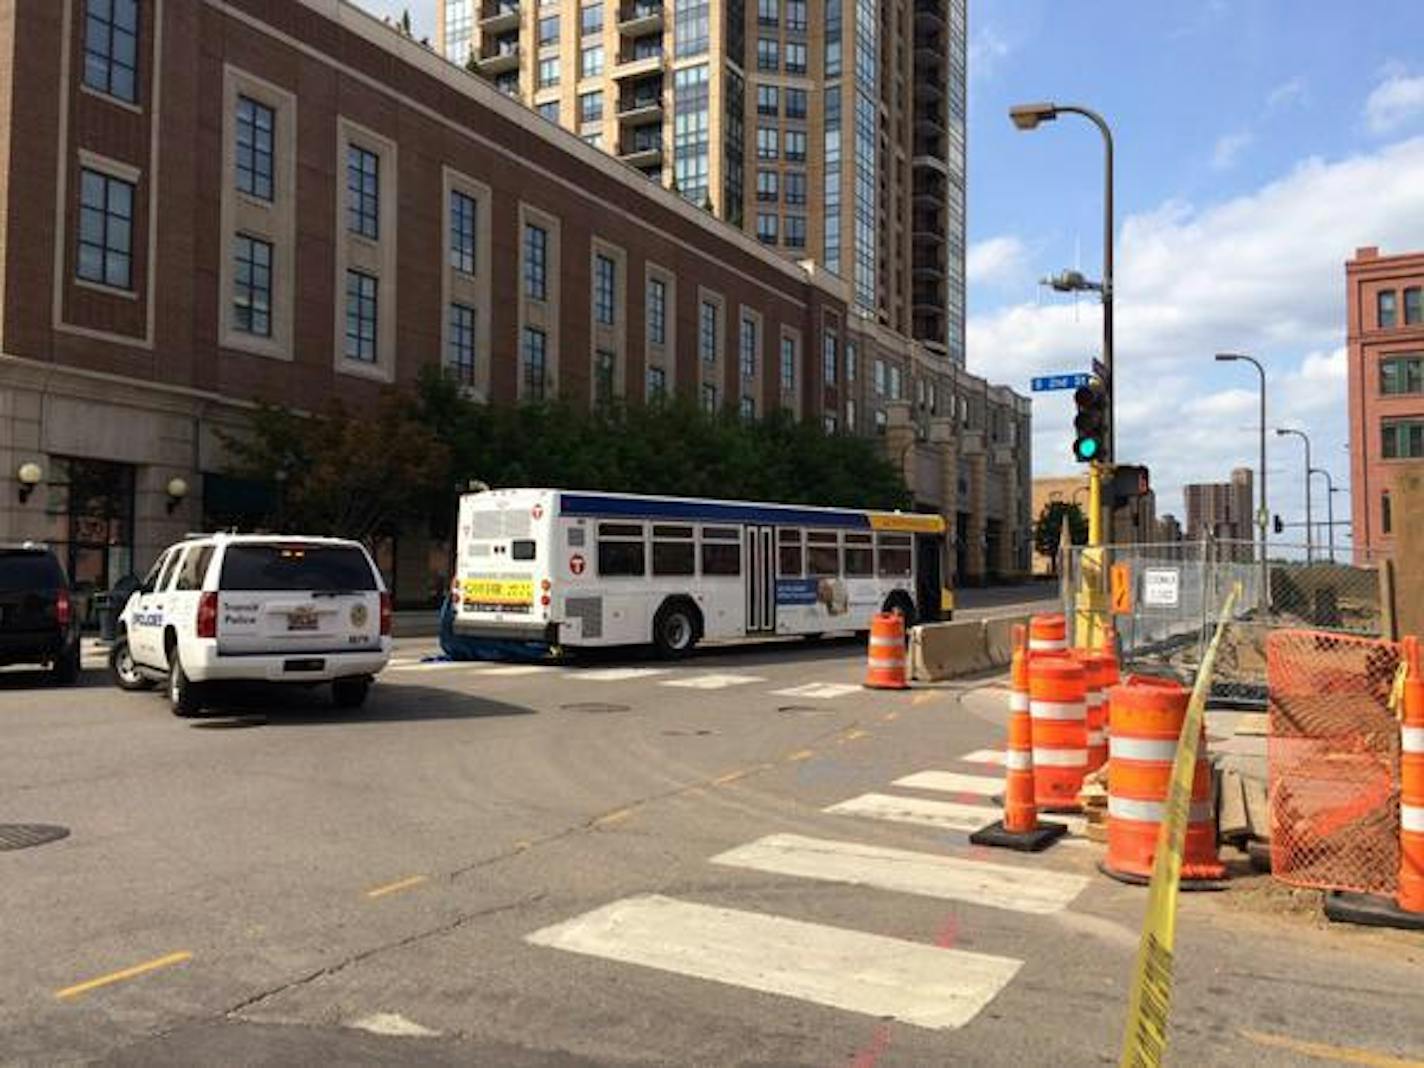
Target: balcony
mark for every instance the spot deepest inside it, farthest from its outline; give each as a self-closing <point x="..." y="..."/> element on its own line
<point x="635" y="111"/>
<point x="503" y="58"/>
<point x="498" y="18"/>
<point x="930" y="15"/>
<point x="641" y="150"/>
<point x="930" y="122"/>
<point x="631" y="65"/>
<point x="638" y="20"/>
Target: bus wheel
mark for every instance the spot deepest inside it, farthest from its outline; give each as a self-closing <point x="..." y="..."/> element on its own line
<point x="675" y="629"/>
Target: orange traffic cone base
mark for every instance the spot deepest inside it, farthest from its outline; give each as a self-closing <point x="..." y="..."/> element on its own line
<point x="1368" y="910"/>
<point x="1035" y="841"/>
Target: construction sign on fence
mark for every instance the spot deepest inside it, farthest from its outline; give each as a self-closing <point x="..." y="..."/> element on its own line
<point x="1121" y="589"/>
<point x="1145" y="1040"/>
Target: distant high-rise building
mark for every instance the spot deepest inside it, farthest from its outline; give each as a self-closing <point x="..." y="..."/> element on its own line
<point x="1169" y="529"/>
<point x="1221" y="510"/>
<point x="831" y="130"/>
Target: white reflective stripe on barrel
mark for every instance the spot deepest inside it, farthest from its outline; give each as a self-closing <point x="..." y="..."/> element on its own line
<point x="1060" y="758"/>
<point x="1096" y="697"/>
<point x="1121" y="748"/>
<point x="1058" y="709"/>
<point x="886" y="643"/>
<point x="1018" y="760"/>
<point x="1046" y="645"/>
<point x="1018" y="701"/>
<point x="1127" y="808"/>
<point x="1411" y="818"/>
<point x="1412" y="739"/>
<point x="1097" y="738"/>
<point x="886" y="661"/>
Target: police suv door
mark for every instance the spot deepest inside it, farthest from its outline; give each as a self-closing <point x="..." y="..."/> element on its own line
<point x="145" y="630"/>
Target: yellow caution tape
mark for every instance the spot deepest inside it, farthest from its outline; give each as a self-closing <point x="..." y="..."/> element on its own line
<point x="1145" y="1039"/>
<point x="1396" y="691"/>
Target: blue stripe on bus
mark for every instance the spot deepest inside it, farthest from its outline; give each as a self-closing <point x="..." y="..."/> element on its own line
<point x="584" y="504"/>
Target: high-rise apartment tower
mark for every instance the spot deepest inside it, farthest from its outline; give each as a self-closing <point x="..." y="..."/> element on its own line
<point x="832" y="130"/>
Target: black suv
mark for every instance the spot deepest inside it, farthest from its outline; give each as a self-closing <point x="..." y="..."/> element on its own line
<point x="38" y="623"/>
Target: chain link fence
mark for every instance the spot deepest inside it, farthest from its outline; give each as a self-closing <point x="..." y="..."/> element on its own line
<point x="1169" y="596"/>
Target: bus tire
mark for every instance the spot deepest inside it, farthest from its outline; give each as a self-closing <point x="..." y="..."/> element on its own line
<point x="676" y="628"/>
<point x="900" y="602"/>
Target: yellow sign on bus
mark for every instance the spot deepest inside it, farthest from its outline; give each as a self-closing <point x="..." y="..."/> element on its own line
<point x="497" y="591"/>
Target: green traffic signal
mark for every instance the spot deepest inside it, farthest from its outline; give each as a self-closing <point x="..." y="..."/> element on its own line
<point x="1091" y="422"/>
<point x="1087" y="449"/>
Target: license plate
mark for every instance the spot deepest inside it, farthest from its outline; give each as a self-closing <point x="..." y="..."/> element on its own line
<point x="309" y="664"/>
<point x="302" y="619"/>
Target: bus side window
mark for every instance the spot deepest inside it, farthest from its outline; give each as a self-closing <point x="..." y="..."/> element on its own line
<point x="788" y="553"/>
<point x="721" y="551"/>
<point x="859" y="556"/>
<point x="896" y="559"/>
<point x="621" y="550"/>
<point x="674" y="552"/>
<point x="822" y="554"/>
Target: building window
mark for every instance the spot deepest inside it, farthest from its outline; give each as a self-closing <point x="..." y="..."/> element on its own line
<point x="1402" y="374"/>
<point x="361" y="291"/>
<point x="768" y="12"/>
<point x="1387" y="308"/>
<point x="603" y="289"/>
<point x="707" y="332"/>
<point x="691" y="30"/>
<point x="255" y="125"/>
<point x="657" y="384"/>
<point x="106" y="217"/>
<point x="877" y="378"/>
<point x="768" y="142"/>
<point x="796" y="103"/>
<point x="252" y="286"/>
<point x="894" y="384"/>
<point x="880" y="421"/>
<point x="831" y="205"/>
<point x="691" y="128"/>
<point x="767" y="186"/>
<point x="548" y="72"/>
<point x="768" y="100"/>
<point x="795" y="231"/>
<point x="795" y="57"/>
<point x="535" y="357"/>
<point x="747" y="409"/>
<point x="460" y="353"/>
<point x="591" y="61"/>
<point x="591" y="106"/>
<point x="549" y="30"/>
<point x="833" y="38"/>
<point x="536" y="262"/>
<point x="828" y="422"/>
<point x="766" y="228"/>
<point x="852" y="363"/>
<point x="796" y="146"/>
<point x="830" y="357"/>
<point x="768" y="54"/>
<point x="796" y="15"/>
<point x="363" y="192"/>
<point x="657" y="311"/>
<point x="111" y="48"/>
<point x="462" y="232"/>
<point x="1413" y="309"/>
<point x="649" y="47"/>
<point x="591" y="19"/>
<point x="850" y="417"/>
<point x="788" y="363"/>
<point x="594" y="139"/>
<point x="1386" y="518"/>
<point x="748" y="347"/>
<point x="795" y="187"/>
<point x="709" y="398"/>
<point x="1402" y="439"/>
<point x="604" y="366"/>
<point x="507" y="83"/>
<point x="548" y="110"/>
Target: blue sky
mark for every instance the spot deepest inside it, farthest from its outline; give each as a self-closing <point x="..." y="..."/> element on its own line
<point x="1258" y="143"/>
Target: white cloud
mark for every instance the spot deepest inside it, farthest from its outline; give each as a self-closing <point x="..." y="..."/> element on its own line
<point x="1228" y="148"/>
<point x="986" y="48"/>
<point x="1395" y="102"/>
<point x="994" y="261"/>
<point x="1260" y="273"/>
<point x="1285" y="94"/>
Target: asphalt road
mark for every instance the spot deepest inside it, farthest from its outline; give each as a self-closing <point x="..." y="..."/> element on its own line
<point x="510" y="867"/>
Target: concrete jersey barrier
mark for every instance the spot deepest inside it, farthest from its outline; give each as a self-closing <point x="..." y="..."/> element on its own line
<point x="941" y="651"/>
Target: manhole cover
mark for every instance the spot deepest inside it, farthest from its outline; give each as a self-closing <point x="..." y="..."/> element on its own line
<point x="593" y="706"/>
<point x="24" y="835"/>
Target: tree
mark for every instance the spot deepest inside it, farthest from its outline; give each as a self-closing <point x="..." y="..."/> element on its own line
<point x="1049" y="528"/>
<point x="405" y="22"/>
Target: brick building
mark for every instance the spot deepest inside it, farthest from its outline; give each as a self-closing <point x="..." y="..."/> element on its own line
<point x="1221" y="510"/>
<point x="1385" y="309"/>
<point x="207" y="203"/>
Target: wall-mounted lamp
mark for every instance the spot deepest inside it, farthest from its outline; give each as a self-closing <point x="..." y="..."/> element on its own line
<point x="177" y="489"/>
<point x="28" y="475"/>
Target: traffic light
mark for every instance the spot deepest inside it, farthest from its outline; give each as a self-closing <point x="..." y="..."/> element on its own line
<point x="1091" y="422"/>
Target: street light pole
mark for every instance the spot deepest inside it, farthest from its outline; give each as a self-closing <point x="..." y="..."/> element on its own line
<point x="1263" y="514"/>
<point x="1309" y="520"/>
<point x="1329" y="507"/>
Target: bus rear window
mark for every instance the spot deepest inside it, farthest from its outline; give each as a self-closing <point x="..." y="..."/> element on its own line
<point x="522" y="549"/>
<point x="319" y="568"/>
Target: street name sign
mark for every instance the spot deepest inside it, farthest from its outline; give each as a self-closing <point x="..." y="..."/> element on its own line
<point x="1044" y="383"/>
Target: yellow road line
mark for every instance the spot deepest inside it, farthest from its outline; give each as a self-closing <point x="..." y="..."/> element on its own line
<point x="397" y="887"/>
<point x="1339" y="1054"/>
<point x="854" y="733"/>
<point x="616" y="816"/>
<point x="125" y="973"/>
<point x="801" y="754"/>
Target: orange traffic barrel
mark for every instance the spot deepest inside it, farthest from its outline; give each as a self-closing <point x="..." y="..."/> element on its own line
<point x="1048" y="634"/>
<point x="1058" y="708"/>
<point x="1101" y="671"/>
<point x="1410" y="895"/>
<point x="1147" y="717"/>
<point x="886" y="668"/>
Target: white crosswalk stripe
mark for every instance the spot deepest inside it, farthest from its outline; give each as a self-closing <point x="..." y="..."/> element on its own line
<point x="820" y="691"/>
<point x="619" y="674"/>
<point x="712" y="682"/>
<point x="951" y="782"/>
<point x="945" y="815"/>
<point x="918" y="984"/>
<point x="984" y="756"/>
<point x="993" y="885"/>
<point x="517" y="669"/>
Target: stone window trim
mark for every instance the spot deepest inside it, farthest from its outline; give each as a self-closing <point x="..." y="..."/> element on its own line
<point x="542" y="315"/>
<point x="605" y="337"/>
<point x="273" y="221"/>
<point x="791" y="391"/>
<point x="664" y="354"/>
<point x="472" y="291"/>
<point x="376" y="258"/>
<point x="711" y="369"/>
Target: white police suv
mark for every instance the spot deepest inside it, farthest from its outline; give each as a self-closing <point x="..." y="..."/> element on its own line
<point x="246" y="607"/>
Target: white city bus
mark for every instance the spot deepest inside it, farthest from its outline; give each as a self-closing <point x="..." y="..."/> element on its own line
<point x="575" y="568"/>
